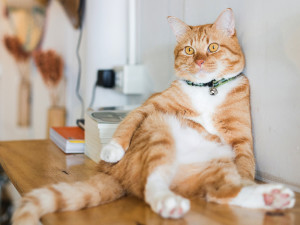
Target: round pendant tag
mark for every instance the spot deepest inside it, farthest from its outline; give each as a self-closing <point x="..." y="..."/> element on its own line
<point x="213" y="91"/>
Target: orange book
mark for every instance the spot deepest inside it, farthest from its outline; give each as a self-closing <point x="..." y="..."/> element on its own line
<point x="68" y="139"/>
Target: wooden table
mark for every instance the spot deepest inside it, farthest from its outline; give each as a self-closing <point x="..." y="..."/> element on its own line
<point x="32" y="164"/>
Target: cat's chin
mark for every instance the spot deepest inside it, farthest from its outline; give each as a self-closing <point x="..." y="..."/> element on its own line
<point x="203" y="77"/>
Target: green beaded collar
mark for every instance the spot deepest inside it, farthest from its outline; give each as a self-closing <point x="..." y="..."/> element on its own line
<point x="213" y="84"/>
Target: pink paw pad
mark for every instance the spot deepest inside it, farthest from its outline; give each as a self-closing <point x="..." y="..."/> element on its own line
<point x="276" y="199"/>
<point x="172" y="206"/>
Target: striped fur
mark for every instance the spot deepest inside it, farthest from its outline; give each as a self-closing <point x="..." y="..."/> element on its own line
<point x="180" y="143"/>
<point x="66" y="197"/>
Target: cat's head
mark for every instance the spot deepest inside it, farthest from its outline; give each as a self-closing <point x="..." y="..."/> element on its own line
<point x="207" y="52"/>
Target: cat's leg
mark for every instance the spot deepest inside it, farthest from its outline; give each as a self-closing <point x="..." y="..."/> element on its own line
<point x="229" y="187"/>
<point x="159" y="196"/>
<point x="233" y="122"/>
<point x="220" y="180"/>
<point x="112" y="152"/>
<point x="244" y="158"/>
<point x="241" y="141"/>
<point x="115" y="150"/>
<point x="265" y="196"/>
<point x="159" y="167"/>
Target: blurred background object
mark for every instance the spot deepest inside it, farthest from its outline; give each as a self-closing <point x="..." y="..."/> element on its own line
<point x="27" y="24"/>
<point x="74" y="10"/>
<point x="6" y="203"/>
<point x="15" y="48"/>
<point x="26" y="19"/>
<point x="50" y="66"/>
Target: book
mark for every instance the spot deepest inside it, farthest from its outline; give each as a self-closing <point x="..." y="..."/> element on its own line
<point x="100" y="126"/>
<point x="68" y="139"/>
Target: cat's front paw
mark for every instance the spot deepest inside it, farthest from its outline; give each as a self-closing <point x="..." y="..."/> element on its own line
<point x="170" y="206"/>
<point x="112" y="152"/>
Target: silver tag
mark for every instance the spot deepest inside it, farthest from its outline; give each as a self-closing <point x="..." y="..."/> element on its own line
<point x="213" y="91"/>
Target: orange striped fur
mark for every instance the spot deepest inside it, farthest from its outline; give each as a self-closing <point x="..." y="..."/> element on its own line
<point x="162" y="163"/>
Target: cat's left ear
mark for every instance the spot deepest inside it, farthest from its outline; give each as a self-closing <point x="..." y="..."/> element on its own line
<point x="179" y="28"/>
<point x="226" y="22"/>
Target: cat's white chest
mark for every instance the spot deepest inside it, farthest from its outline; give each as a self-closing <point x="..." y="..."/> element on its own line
<point x="192" y="147"/>
<point x="205" y="104"/>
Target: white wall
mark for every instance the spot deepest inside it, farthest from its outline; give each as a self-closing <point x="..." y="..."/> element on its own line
<point x="272" y="54"/>
<point x="157" y="41"/>
<point x="105" y="24"/>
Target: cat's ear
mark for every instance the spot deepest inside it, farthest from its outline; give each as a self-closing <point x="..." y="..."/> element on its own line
<point x="226" y="22"/>
<point x="179" y="28"/>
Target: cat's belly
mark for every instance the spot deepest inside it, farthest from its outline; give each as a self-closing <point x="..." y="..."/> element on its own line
<point x="192" y="147"/>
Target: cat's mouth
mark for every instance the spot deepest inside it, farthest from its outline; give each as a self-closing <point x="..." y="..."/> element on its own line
<point x="205" y="70"/>
<point x="200" y="70"/>
<point x="197" y="68"/>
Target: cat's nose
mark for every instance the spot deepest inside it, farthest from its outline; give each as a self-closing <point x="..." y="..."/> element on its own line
<point x="199" y="62"/>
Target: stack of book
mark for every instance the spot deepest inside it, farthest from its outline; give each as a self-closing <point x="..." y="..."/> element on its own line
<point x="68" y="139"/>
<point x="99" y="129"/>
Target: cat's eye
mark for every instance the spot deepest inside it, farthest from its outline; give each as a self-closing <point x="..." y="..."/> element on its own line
<point x="189" y="50"/>
<point x="213" y="47"/>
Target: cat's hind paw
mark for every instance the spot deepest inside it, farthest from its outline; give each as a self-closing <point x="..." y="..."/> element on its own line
<point x="112" y="152"/>
<point x="265" y="196"/>
<point x="279" y="198"/>
<point x="171" y="206"/>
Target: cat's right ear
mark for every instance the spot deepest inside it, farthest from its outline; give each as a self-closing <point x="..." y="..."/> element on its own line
<point x="179" y="28"/>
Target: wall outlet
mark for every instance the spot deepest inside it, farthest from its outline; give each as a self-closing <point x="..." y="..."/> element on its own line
<point x="130" y="79"/>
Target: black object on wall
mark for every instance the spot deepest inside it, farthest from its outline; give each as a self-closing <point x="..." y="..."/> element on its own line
<point x="106" y="78"/>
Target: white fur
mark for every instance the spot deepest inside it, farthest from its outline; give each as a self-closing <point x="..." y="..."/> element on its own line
<point x="160" y="198"/>
<point x="192" y="147"/>
<point x="112" y="152"/>
<point x="206" y="104"/>
<point x="252" y="196"/>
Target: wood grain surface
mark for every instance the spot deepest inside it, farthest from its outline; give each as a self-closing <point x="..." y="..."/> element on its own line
<point x="32" y="164"/>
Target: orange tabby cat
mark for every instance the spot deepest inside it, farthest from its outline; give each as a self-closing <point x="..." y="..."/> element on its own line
<point x="192" y="139"/>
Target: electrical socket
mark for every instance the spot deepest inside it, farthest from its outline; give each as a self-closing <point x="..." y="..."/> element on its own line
<point x="130" y="79"/>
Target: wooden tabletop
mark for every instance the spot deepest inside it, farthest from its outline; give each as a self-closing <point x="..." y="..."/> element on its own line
<point x="32" y="164"/>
